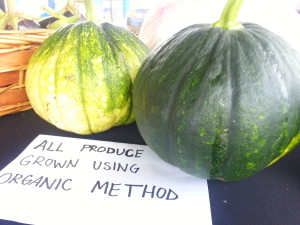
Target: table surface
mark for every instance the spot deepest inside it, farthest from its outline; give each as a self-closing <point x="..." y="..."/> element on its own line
<point x="271" y="197"/>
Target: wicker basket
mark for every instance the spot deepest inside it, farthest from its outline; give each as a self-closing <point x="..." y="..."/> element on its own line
<point x="16" y="48"/>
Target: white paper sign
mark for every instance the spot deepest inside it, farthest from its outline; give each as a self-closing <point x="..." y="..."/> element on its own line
<point x="59" y="180"/>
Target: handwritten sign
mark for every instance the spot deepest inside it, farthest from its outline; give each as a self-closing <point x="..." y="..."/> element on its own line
<point x="59" y="180"/>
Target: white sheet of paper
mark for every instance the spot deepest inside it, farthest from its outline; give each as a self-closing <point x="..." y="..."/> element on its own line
<point x="59" y="180"/>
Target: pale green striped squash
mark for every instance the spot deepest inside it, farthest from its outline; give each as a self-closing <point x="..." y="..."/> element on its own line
<point x="80" y="79"/>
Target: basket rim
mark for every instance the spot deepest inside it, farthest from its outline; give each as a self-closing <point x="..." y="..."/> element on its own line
<point x="33" y="31"/>
<point x="19" y="48"/>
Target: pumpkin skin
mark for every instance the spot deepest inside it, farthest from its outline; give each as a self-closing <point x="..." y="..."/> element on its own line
<point x="218" y="103"/>
<point x="80" y="79"/>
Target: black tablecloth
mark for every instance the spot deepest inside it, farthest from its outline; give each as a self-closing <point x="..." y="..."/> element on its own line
<point x="271" y="197"/>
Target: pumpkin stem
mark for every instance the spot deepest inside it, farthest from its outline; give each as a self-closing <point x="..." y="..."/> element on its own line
<point x="229" y="16"/>
<point x="90" y="10"/>
<point x="12" y="18"/>
<point x="63" y="20"/>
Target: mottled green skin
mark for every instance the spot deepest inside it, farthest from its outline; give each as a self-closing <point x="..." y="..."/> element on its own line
<point x="80" y="79"/>
<point x="220" y="104"/>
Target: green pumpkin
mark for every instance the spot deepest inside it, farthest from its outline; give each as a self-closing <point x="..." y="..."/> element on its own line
<point x="80" y="79"/>
<point x="220" y="103"/>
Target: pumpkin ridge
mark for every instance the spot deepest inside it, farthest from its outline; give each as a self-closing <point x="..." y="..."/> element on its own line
<point x="137" y="42"/>
<point x="34" y="59"/>
<point x="282" y="90"/>
<point x="176" y="92"/>
<point x="78" y="35"/>
<point x="107" y="49"/>
<point x="280" y="51"/>
<point x="113" y="49"/>
<point x="121" y="59"/>
<point x="262" y="69"/>
<point x="65" y="42"/>
<point x="204" y="73"/>
<point x="61" y="43"/>
<point x="257" y="75"/>
<point x="50" y="42"/>
<point x="282" y="79"/>
<point x="110" y="36"/>
<point x="236" y="51"/>
<point x="206" y="77"/>
<point x="41" y="110"/>
<point x="219" y="145"/>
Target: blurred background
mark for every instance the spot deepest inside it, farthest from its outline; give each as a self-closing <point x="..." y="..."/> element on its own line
<point x="122" y="12"/>
<point x="129" y="13"/>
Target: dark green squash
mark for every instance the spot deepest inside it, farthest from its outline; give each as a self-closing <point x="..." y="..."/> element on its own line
<point x="220" y="102"/>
